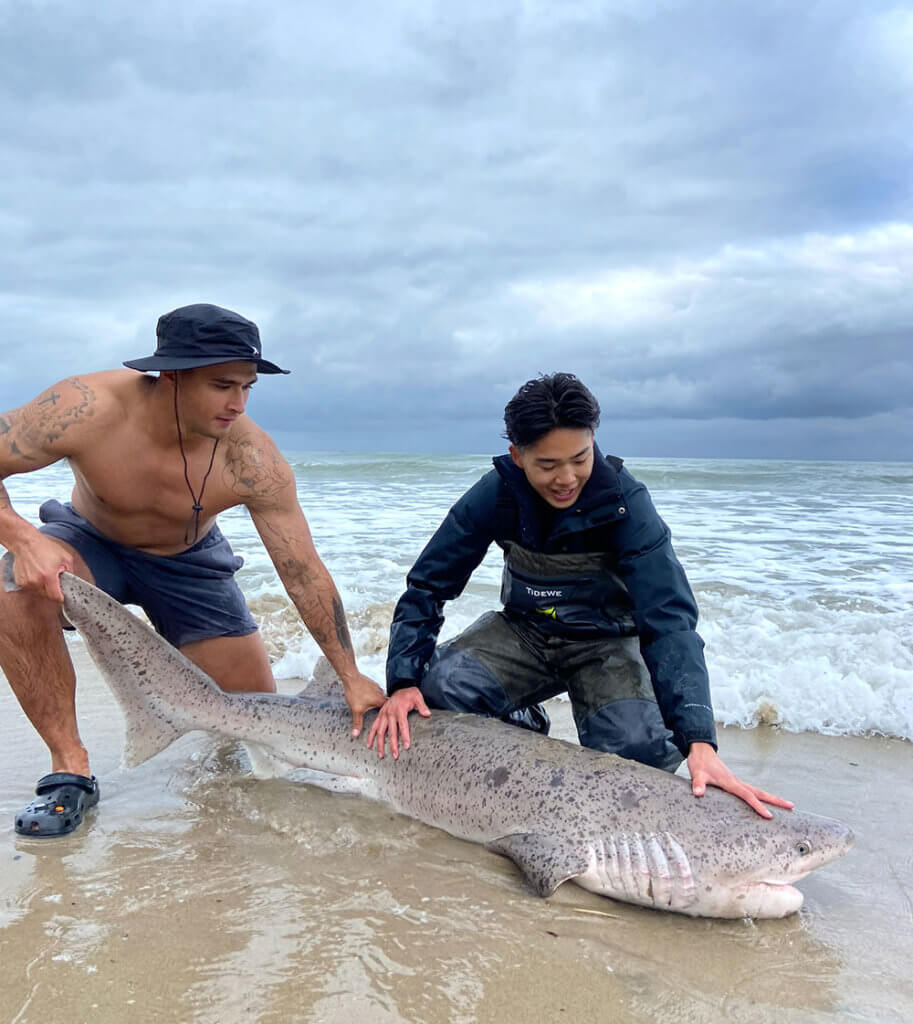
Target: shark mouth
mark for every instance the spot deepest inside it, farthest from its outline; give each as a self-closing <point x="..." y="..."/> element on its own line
<point x="770" y="898"/>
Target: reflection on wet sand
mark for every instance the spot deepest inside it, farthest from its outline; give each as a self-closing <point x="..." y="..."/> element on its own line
<point x="201" y="894"/>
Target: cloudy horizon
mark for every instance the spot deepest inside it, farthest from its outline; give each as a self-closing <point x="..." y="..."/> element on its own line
<point x="703" y="210"/>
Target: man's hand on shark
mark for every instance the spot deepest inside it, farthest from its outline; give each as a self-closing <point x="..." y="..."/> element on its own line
<point x="393" y="720"/>
<point x="362" y="694"/>
<point x="707" y="769"/>
<point x="37" y="567"/>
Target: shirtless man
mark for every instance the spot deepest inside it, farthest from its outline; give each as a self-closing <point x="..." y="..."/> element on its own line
<point x="156" y="459"/>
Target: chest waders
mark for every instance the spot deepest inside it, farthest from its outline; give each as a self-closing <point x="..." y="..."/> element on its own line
<point x="567" y="626"/>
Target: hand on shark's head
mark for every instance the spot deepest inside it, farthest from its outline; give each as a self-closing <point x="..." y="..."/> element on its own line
<point x="707" y="769"/>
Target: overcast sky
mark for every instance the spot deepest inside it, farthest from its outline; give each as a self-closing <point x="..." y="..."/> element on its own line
<point x="701" y="208"/>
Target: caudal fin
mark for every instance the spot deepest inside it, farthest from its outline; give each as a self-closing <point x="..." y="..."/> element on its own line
<point x="161" y="693"/>
<point x="148" y="733"/>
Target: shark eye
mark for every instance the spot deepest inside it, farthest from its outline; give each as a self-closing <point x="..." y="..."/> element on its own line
<point x="803" y="848"/>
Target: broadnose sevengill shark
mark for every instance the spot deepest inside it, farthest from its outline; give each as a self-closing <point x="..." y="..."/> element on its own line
<point x="562" y="812"/>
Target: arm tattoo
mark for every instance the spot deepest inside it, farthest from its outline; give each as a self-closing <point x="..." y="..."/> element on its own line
<point x="8" y="434"/>
<point x="54" y="424"/>
<point x="5" y="503"/>
<point x="308" y="591"/>
<point x="295" y="572"/>
<point x="252" y="472"/>
<point x="31" y="432"/>
<point x="16" y="450"/>
<point x="342" y="629"/>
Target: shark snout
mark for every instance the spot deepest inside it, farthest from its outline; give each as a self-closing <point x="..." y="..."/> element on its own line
<point x="826" y="841"/>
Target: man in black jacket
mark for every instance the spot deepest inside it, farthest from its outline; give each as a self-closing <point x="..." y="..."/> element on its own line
<point x="596" y="604"/>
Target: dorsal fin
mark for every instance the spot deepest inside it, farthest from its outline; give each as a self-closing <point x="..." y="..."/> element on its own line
<point x="324" y="684"/>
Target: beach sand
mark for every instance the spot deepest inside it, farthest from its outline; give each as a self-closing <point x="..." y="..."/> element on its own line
<point x="198" y="893"/>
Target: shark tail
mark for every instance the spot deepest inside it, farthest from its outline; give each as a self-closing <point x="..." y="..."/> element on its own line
<point x="153" y="698"/>
<point x="161" y="693"/>
<point x="148" y="733"/>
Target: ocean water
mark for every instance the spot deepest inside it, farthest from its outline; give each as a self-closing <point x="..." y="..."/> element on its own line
<point x="803" y="572"/>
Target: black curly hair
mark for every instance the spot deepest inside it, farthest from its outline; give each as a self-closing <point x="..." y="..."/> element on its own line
<point x="547" y="402"/>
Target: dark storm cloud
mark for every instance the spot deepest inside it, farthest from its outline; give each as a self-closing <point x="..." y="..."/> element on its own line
<point x="701" y="208"/>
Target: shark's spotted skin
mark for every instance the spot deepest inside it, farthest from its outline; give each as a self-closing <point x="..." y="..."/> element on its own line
<point x="560" y="811"/>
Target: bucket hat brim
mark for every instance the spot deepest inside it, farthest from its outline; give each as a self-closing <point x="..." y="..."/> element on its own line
<point x="192" y="362"/>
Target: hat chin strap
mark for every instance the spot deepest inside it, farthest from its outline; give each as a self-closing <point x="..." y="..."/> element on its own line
<point x="194" y="520"/>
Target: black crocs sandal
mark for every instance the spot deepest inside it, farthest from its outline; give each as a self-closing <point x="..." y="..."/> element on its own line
<point x="64" y="799"/>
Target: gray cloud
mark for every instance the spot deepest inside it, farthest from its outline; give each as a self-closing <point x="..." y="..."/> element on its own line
<point x="702" y="209"/>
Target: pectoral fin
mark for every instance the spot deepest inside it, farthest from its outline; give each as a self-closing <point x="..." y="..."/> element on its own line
<point x="265" y="763"/>
<point x="545" y="860"/>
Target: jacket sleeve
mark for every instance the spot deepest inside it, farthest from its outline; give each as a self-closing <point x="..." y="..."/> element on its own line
<point x="440" y="574"/>
<point x="665" y="613"/>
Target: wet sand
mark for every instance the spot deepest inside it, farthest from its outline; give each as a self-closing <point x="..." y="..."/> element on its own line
<point x="198" y="893"/>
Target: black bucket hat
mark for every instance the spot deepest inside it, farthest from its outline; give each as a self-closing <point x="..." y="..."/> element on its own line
<point x="204" y="335"/>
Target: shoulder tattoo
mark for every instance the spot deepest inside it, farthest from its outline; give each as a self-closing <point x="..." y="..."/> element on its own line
<point x="45" y="420"/>
<point x="58" y="416"/>
<point x="251" y="471"/>
<point x="37" y="426"/>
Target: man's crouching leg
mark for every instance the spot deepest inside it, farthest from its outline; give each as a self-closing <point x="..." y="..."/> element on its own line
<point x="37" y="666"/>
<point x="238" y="664"/>
<point x="487" y="670"/>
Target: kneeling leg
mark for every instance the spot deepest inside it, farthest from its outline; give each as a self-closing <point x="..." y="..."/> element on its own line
<point x="614" y="707"/>
<point x="488" y="670"/>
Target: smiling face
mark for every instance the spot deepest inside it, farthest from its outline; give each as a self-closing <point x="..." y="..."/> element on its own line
<point x="211" y="398"/>
<point x="558" y="465"/>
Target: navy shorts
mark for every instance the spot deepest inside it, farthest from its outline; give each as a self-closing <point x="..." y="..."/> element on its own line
<point x="188" y="597"/>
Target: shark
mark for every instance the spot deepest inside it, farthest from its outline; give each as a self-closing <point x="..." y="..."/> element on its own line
<point x="561" y="812"/>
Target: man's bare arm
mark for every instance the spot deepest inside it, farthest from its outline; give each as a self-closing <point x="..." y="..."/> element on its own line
<point x="264" y="481"/>
<point x="50" y="427"/>
<point x="46" y="429"/>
